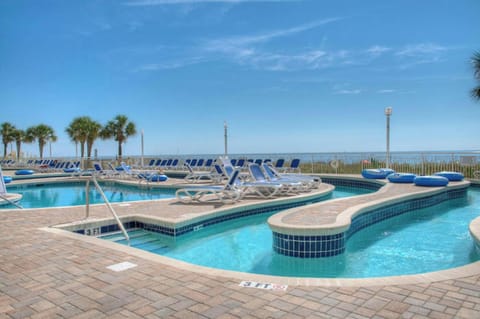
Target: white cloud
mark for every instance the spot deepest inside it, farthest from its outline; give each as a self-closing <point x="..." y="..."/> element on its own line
<point x="247" y="49"/>
<point x="421" y="49"/>
<point x="265" y="37"/>
<point x="348" y="92"/>
<point x="386" y="91"/>
<point x="377" y="50"/>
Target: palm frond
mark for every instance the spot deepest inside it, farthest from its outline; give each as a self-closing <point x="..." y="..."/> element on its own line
<point x="476" y="93"/>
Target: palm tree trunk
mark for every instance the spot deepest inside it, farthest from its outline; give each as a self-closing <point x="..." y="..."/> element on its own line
<point x="19" y="145"/>
<point x="119" y="151"/>
<point x="82" y="150"/>
<point x="5" y="150"/>
<point x="89" y="150"/>
<point x="40" y="148"/>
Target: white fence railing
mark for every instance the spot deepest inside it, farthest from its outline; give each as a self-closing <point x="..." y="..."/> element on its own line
<point x="420" y="163"/>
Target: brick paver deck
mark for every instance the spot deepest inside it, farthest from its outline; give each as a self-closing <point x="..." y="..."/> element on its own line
<point x="45" y="274"/>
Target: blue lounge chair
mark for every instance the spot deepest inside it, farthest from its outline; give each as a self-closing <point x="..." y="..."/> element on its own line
<point x="193" y="163"/>
<point x="279" y="163"/>
<point x="208" y="163"/>
<point x="101" y="172"/>
<point x="241" y="163"/>
<point x="227" y="193"/>
<point x="262" y="186"/>
<point x="309" y="182"/>
<point x="294" y="167"/>
<point x="195" y="177"/>
<point x="174" y="164"/>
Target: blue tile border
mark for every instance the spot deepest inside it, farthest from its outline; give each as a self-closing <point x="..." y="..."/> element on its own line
<point x="355" y="183"/>
<point x="297" y="245"/>
<point x="332" y="245"/>
<point x="182" y="230"/>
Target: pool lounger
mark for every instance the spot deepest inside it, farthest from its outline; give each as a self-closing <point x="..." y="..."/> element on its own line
<point x="228" y="193"/>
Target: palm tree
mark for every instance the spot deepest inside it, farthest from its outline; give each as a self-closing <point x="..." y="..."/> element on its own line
<point x="119" y="129"/>
<point x="476" y="73"/>
<point x="94" y="129"/>
<point x="6" y="130"/>
<point x="43" y="134"/>
<point x="78" y="132"/>
<point x="19" y="137"/>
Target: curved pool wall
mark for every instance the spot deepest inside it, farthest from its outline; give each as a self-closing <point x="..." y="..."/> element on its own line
<point x="175" y="229"/>
<point x="474" y="227"/>
<point x="331" y="241"/>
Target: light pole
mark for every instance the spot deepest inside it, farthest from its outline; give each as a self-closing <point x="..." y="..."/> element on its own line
<point x="141" y="159"/>
<point x="225" y="128"/>
<point x="388" y="113"/>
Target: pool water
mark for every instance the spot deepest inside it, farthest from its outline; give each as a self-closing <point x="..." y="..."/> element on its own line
<point x="419" y="241"/>
<point x="71" y="194"/>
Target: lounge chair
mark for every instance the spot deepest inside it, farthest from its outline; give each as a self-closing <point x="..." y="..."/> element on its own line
<point x="263" y="187"/>
<point x="279" y="163"/>
<point x="309" y="182"/>
<point x="194" y="177"/>
<point x="208" y="163"/>
<point x="227" y="193"/>
<point x="294" y="167"/>
<point x="8" y="198"/>
<point x="163" y="164"/>
<point x="174" y="164"/>
<point x="150" y="164"/>
<point x="200" y="163"/>
<point x="240" y="163"/>
<point x="101" y="172"/>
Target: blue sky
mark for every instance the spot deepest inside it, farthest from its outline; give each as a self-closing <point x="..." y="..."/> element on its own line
<point x="287" y="76"/>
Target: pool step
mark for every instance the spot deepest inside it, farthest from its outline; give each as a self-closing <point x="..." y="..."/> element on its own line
<point x="140" y="239"/>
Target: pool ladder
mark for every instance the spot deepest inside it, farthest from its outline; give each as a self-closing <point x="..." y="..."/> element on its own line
<point x="109" y="206"/>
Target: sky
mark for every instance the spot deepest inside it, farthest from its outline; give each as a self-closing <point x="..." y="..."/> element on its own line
<point x="289" y="76"/>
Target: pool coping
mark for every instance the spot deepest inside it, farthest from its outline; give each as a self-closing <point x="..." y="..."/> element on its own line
<point x="453" y="273"/>
<point x="448" y="274"/>
<point x="173" y="226"/>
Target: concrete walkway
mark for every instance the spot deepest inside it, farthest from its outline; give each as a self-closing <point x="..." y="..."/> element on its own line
<point x="47" y="274"/>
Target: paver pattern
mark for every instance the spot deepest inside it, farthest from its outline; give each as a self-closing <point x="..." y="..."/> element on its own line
<point x="48" y="275"/>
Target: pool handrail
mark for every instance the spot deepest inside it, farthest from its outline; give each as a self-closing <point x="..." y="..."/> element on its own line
<point x="11" y="202"/>
<point x="109" y="206"/>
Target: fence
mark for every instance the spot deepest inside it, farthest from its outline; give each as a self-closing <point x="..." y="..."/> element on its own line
<point x="420" y="163"/>
<point x="417" y="163"/>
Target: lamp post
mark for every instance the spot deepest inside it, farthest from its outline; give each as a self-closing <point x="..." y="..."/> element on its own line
<point x="225" y="128"/>
<point x="141" y="158"/>
<point x="388" y="113"/>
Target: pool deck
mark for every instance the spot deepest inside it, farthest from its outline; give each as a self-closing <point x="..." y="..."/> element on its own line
<point x="51" y="273"/>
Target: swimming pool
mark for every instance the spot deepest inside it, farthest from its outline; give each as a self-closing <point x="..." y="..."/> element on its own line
<point x="40" y="195"/>
<point x="391" y="247"/>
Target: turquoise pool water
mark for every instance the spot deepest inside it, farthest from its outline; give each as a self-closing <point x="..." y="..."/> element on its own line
<point x="420" y="241"/>
<point x="71" y="194"/>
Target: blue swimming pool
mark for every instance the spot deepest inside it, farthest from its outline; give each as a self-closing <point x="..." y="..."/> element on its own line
<point x="40" y="195"/>
<point x="419" y="241"/>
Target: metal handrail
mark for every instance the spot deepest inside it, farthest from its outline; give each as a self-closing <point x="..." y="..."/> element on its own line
<point x="97" y="186"/>
<point x="11" y="202"/>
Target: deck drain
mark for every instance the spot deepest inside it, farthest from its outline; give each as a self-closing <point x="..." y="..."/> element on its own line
<point x="122" y="266"/>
